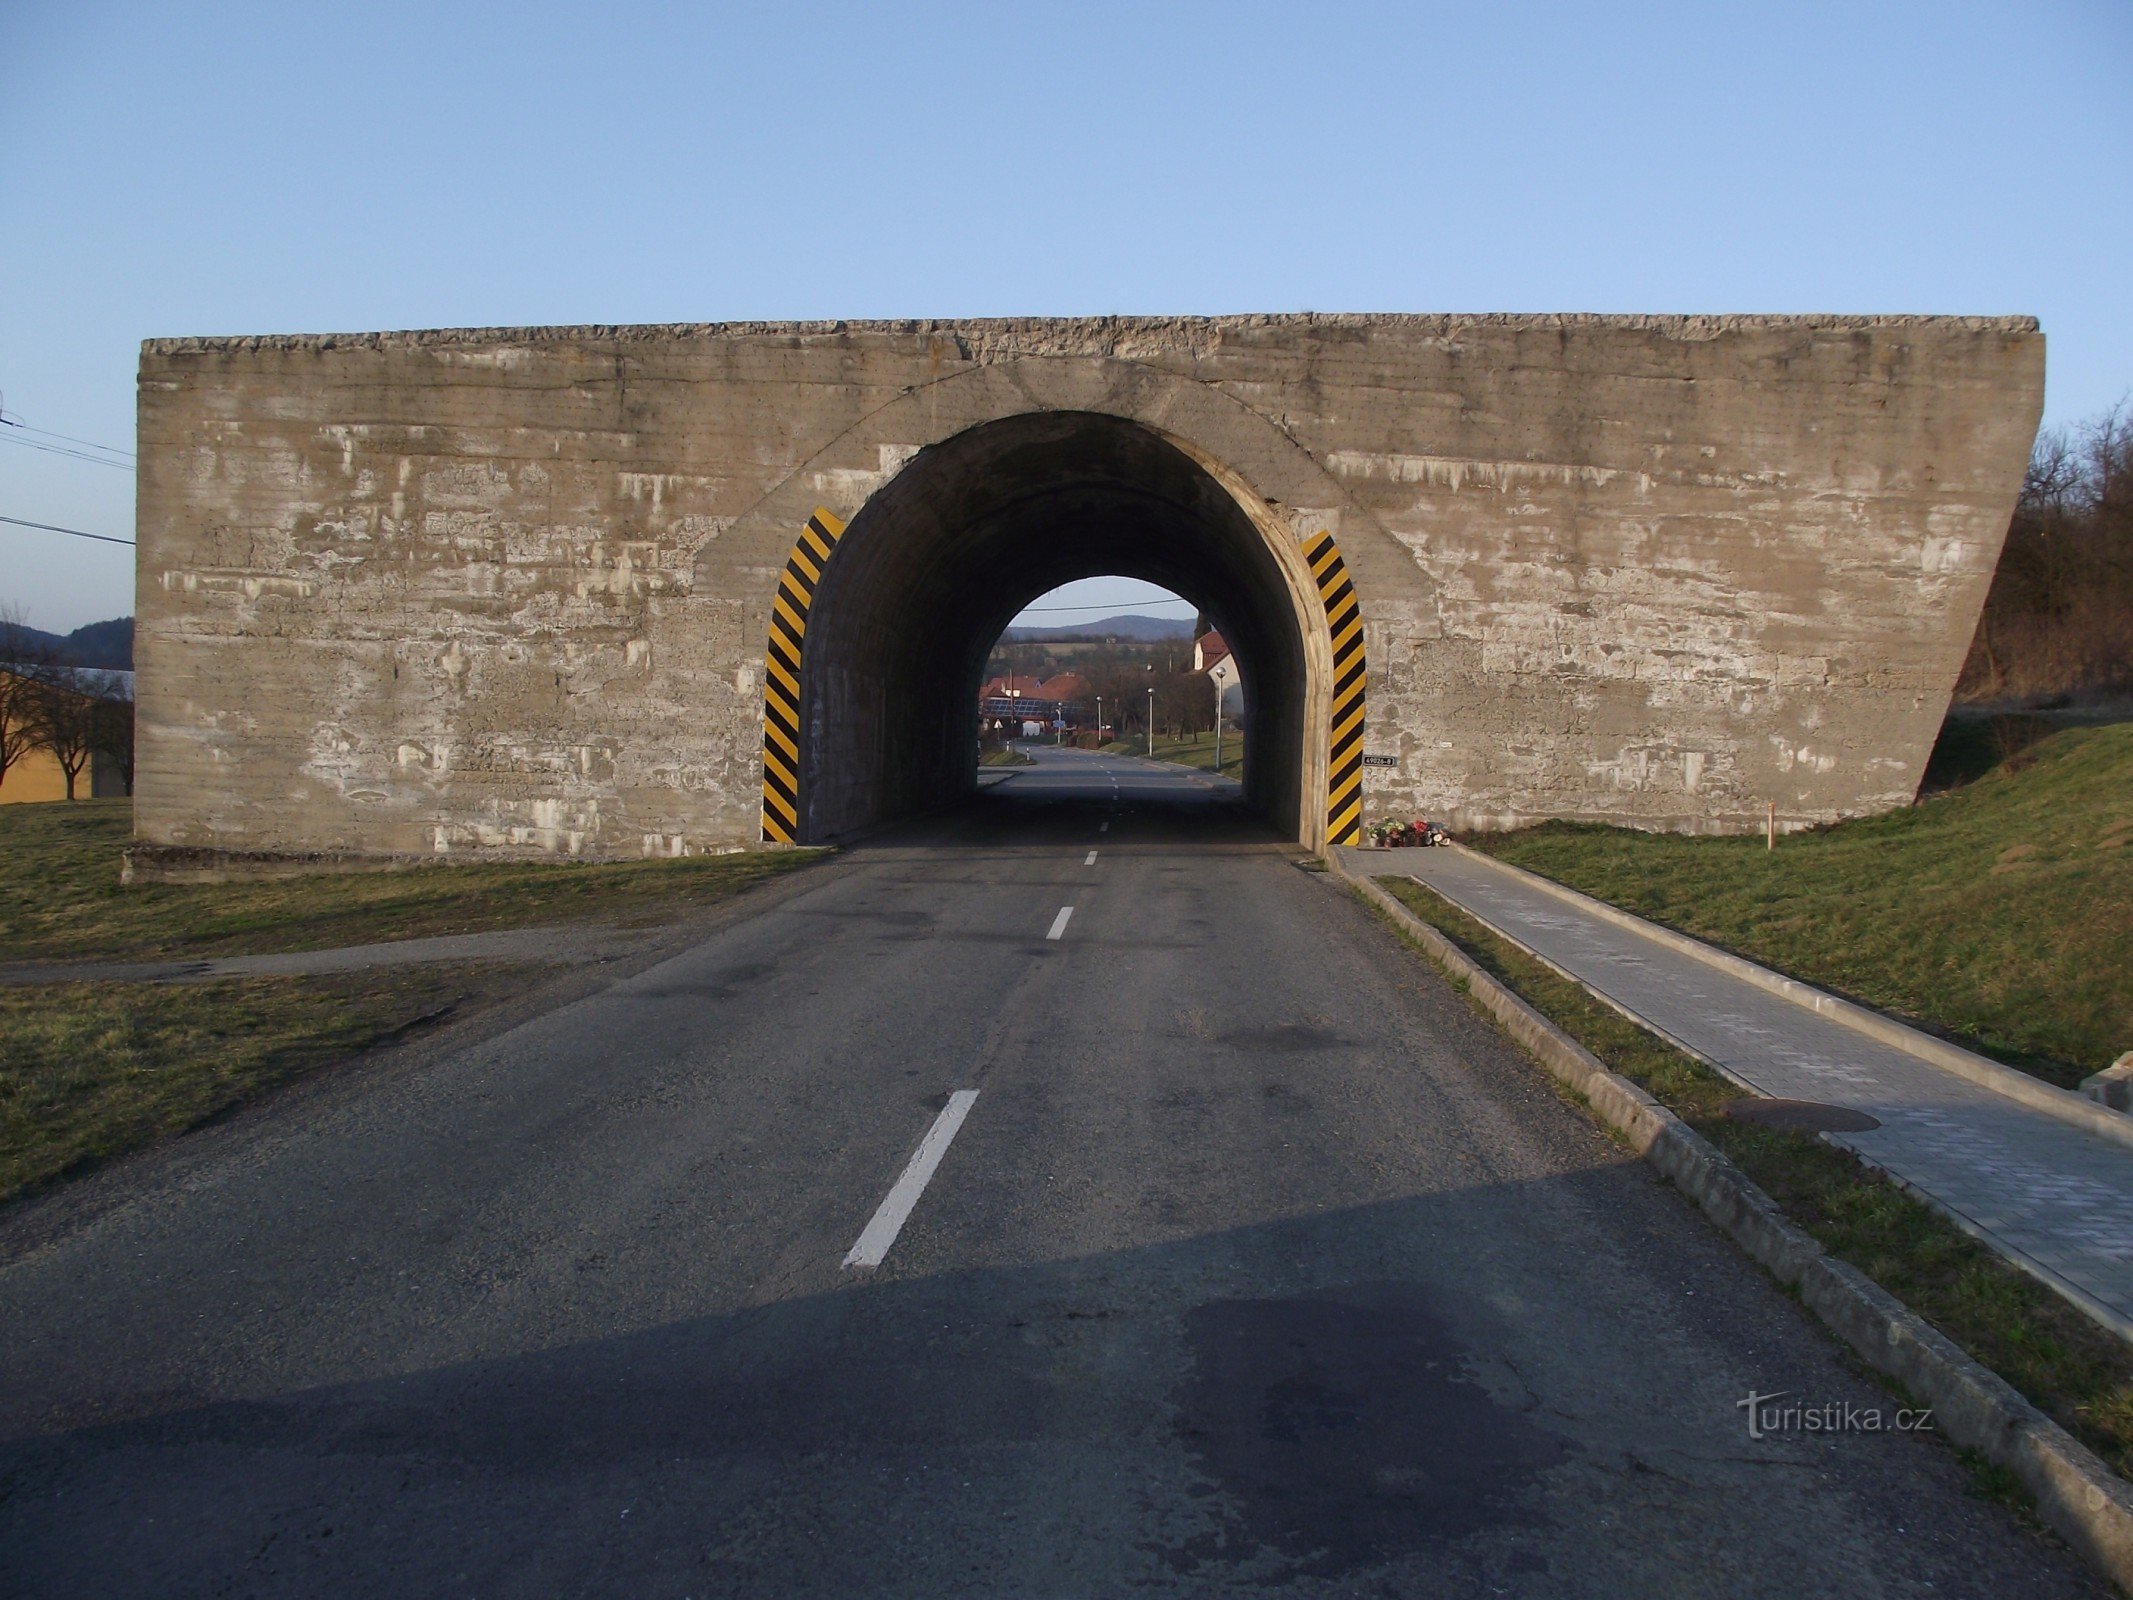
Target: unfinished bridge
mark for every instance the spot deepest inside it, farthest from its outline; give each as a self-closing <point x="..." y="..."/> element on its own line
<point x="623" y="591"/>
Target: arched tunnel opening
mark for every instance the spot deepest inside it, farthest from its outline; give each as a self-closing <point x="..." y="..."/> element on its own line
<point x="938" y="561"/>
<point x="1108" y="660"/>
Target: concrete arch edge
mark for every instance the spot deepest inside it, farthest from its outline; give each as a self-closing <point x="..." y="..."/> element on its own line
<point x="1285" y="494"/>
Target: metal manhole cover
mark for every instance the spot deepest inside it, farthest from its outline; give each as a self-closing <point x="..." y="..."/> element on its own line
<point x="1801" y="1116"/>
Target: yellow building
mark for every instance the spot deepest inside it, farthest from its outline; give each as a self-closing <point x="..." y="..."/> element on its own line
<point x="36" y="775"/>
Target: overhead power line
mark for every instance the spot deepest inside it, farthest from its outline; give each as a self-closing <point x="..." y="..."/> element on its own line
<point x="53" y="527"/>
<point x="1107" y="605"/>
<point x="65" y="438"/>
<point x="15" y="431"/>
<point x="62" y="450"/>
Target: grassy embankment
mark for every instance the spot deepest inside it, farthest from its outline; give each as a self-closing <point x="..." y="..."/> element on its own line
<point x="1196" y="751"/>
<point x="1998" y="914"/>
<point x="91" y="1070"/>
<point x="2075" y="1371"/>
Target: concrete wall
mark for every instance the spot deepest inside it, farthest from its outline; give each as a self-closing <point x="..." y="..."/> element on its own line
<point x="506" y="591"/>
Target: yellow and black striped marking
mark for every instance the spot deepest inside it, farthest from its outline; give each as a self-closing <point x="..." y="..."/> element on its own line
<point x="781" y="675"/>
<point x="1344" y="753"/>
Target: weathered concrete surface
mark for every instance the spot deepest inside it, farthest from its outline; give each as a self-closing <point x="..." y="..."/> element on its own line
<point x="507" y="591"/>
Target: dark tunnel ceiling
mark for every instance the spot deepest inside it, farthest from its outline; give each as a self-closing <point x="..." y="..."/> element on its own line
<point x="938" y="562"/>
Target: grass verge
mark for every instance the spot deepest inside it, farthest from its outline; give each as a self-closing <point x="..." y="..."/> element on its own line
<point x="89" y="1071"/>
<point x="2077" y="1373"/>
<point x="60" y="897"/>
<point x="1197" y="751"/>
<point x="1999" y="914"/>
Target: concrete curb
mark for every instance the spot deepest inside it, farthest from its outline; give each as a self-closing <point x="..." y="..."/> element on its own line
<point x="2080" y="1497"/>
<point x="2032" y="1092"/>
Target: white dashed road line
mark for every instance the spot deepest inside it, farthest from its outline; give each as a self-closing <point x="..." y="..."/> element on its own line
<point x="889" y="1221"/>
<point x="1059" y="922"/>
<point x="1091" y="861"/>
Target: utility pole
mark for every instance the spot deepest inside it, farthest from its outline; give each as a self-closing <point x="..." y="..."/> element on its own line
<point x="1218" y="723"/>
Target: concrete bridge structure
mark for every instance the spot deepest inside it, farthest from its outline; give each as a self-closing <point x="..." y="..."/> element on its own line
<point x="628" y="591"/>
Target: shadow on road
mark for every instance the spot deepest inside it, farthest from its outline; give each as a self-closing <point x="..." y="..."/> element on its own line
<point x="1107" y="1424"/>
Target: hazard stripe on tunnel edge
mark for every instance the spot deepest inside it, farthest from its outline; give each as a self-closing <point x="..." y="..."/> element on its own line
<point x="781" y="675"/>
<point x="1344" y="747"/>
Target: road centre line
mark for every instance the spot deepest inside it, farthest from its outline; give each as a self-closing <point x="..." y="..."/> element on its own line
<point x="895" y="1210"/>
<point x="1091" y="861"/>
<point x="1059" y="922"/>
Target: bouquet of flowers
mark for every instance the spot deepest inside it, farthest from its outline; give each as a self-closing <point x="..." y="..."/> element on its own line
<point x="1400" y="835"/>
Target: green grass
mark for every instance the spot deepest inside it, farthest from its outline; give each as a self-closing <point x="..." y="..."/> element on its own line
<point x="2077" y="1372"/>
<point x="1195" y="751"/>
<point x="91" y="1070"/>
<point x="1999" y="914"/>
<point x="60" y="896"/>
<point x="1972" y="743"/>
<point x="1005" y="756"/>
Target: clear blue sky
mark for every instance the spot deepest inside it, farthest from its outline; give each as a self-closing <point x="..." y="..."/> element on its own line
<point x="284" y="168"/>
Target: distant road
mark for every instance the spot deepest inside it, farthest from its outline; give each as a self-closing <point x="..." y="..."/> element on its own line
<point x="1221" y="1249"/>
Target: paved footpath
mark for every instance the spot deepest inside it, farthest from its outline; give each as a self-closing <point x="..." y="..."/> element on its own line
<point x="2052" y="1196"/>
<point x="556" y="945"/>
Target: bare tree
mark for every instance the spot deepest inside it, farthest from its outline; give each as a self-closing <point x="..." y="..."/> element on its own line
<point x="64" y="723"/>
<point x="24" y="666"/>
<point x="2107" y="450"/>
<point x="2058" y="622"/>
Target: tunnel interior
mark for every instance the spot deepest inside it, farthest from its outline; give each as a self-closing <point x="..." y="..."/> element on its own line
<point x="940" y="559"/>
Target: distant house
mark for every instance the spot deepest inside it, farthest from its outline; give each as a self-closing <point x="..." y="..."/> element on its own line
<point x="35" y="772"/>
<point x="1009" y="700"/>
<point x="1211" y="655"/>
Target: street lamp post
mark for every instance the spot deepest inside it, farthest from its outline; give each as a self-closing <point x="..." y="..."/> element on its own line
<point x="1099" y="721"/>
<point x="1151" y="720"/>
<point x="1218" y="722"/>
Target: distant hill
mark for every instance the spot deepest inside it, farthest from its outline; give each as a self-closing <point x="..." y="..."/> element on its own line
<point x="1123" y="627"/>
<point x="108" y="645"/>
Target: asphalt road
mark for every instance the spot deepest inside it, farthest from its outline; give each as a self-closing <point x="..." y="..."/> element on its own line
<point x="1258" y="1263"/>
